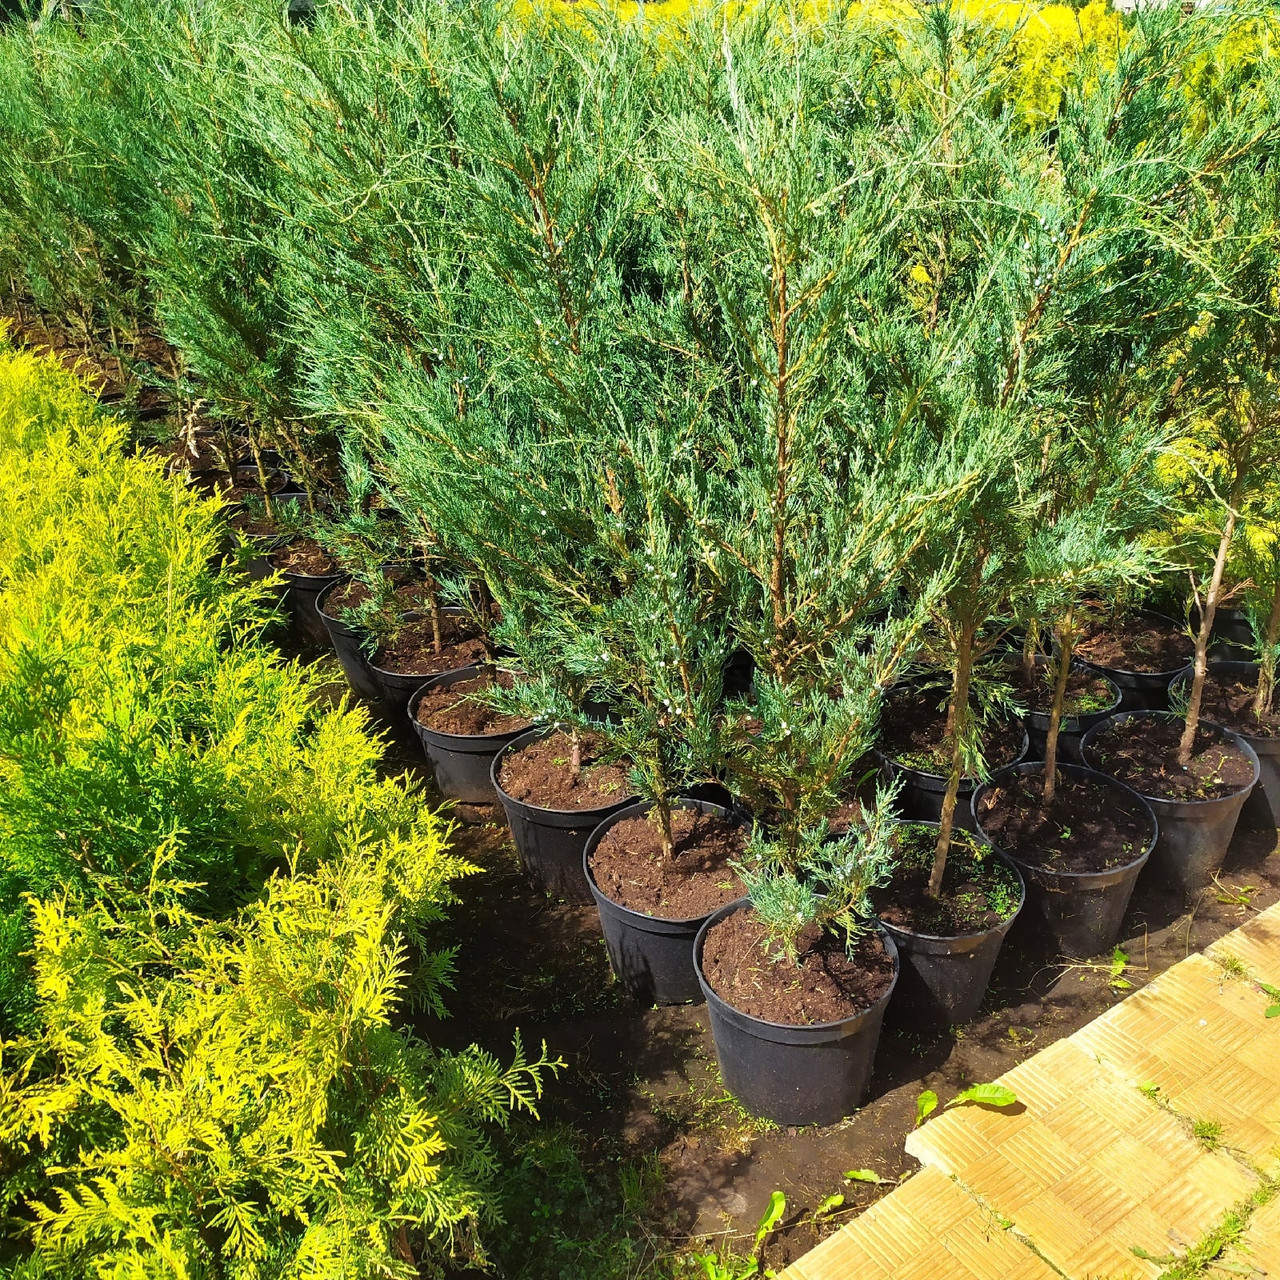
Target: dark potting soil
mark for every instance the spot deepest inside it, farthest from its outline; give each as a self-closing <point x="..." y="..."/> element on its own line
<point x="351" y="595"/>
<point x="1086" y="691"/>
<point x="696" y="880"/>
<point x="305" y="556"/>
<point x="254" y="526"/>
<point x="412" y="651"/>
<point x="978" y="890"/>
<point x="538" y="774"/>
<point x="1229" y="702"/>
<point x="1137" y="642"/>
<point x="845" y="818"/>
<point x="825" y="985"/>
<point x="913" y="733"/>
<point x="1088" y="827"/>
<point x="1143" y="752"/>
<point x="451" y="710"/>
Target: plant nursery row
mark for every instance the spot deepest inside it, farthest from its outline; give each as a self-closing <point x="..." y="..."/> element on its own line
<point x="816" y="472"/>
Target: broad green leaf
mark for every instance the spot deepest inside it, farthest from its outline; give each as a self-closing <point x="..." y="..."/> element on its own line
<point x="986" y="1095"/>
<point x="863" y="1175"/>
<point x="1273" y="1011"/>
<point x="772" y="1216"/>
<point x="829" y="1205"/>
<point x="926" y="1105"/>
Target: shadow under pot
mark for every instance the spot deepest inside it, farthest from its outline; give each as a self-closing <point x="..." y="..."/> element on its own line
<point x="1228" y="701"/>
<point x="1078" y="891"/>
<point x="1072" y="727"/>
<point x="1195" y="831"/>
<point x="652" y="955"/>
<point x="945" y="973"/>
<point x="551" y="842"/>
<point x="347" y="642"/>
<point x="1116" y="650"/>
<point x="301" y="564"/>
<point x="396" y="684"/>
<point x="923" y="790"/>
<point x="462" y="762"/>
<point x="787" y="1072"/>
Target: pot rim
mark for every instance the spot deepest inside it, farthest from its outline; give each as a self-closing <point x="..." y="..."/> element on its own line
<point x="1236" y="740"/>
<point x="969" y="780"/>
<point x="1004" y="924"/>
<point x="639" y="809"/>
<point x="737" y="905"/>
<point x="457" y="674"/>
<point x="516" y="744"/>
<point x="1271" y="739"/>
<point x="1076" y="664"/>
<point x="1075" y="769"/>
<point x="416" y="615"/>
<point x="324" y="593"/>
<point x="1164" y="674"/>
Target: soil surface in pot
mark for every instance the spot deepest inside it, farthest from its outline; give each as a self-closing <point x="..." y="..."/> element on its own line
<point x="825" y="984"/>
<point x="1086" y="691"/>
<point x="1144" y="753"/>
<point x="412" y="650"/>
<point x="1137" y="642"/>
<point x="351" y="595"/>
<point x="305" y="556"/>
<point x="696" y="880"/>
<point x="452" y="710"/>
<point x="914" y="728"/>
<point x="252" y="521"/>
<point x="538" y="774"/>
<point x="1089" y="826"/>
<point x="978" y="890"/>
<point x="1228" y="701"/>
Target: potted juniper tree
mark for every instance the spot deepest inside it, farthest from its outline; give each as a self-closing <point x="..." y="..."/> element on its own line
<point x="1079" y="838"/>
<point x="1239" y="691"/>
<point x="806" y="504"/>
<point x="1195" y="773"/>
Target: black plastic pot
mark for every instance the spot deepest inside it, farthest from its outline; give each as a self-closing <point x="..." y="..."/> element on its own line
<point x="1082" y="910"/>
<point x="302" y="590"/>
<point x="463" y="762"/>
<point x="790" y="1074"/>
<point x="346" y="645"/>
<point x="1072" y="728"/>
<point x="1261" y="810"/>
<point x="1139" y="690"/>
<point x="395" y="688"/>
<point x="920" y="798"/>
<point x="944" y="978"/>
<point x="550" y="842"/>
<point x="651" y="955"/>
<point x="1194" y="834"/>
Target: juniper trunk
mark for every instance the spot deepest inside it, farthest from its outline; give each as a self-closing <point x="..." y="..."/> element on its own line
<point x="1202" y="642"/>
<point x="1267" y="659"/>
<point x="1064" y="646"/>
<point x="957" y="720"/>
<point x="1029" y="646"/>
<point x="262" y="475"/>
<point x="662" y="808"/>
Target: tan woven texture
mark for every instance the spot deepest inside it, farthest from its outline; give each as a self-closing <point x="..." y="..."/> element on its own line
<point x="927" y="1229"/>
<point x="1088" y="1173"/>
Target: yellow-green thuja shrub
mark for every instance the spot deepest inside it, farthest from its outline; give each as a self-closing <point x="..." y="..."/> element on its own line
<point x="137" y="704"/>
<point x="209" y="897"/>
<point x="233" y="1099"/>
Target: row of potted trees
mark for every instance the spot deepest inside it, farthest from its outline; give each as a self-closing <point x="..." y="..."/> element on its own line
<point x="1074" y="838"/>
<point x="798" y="465"/>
